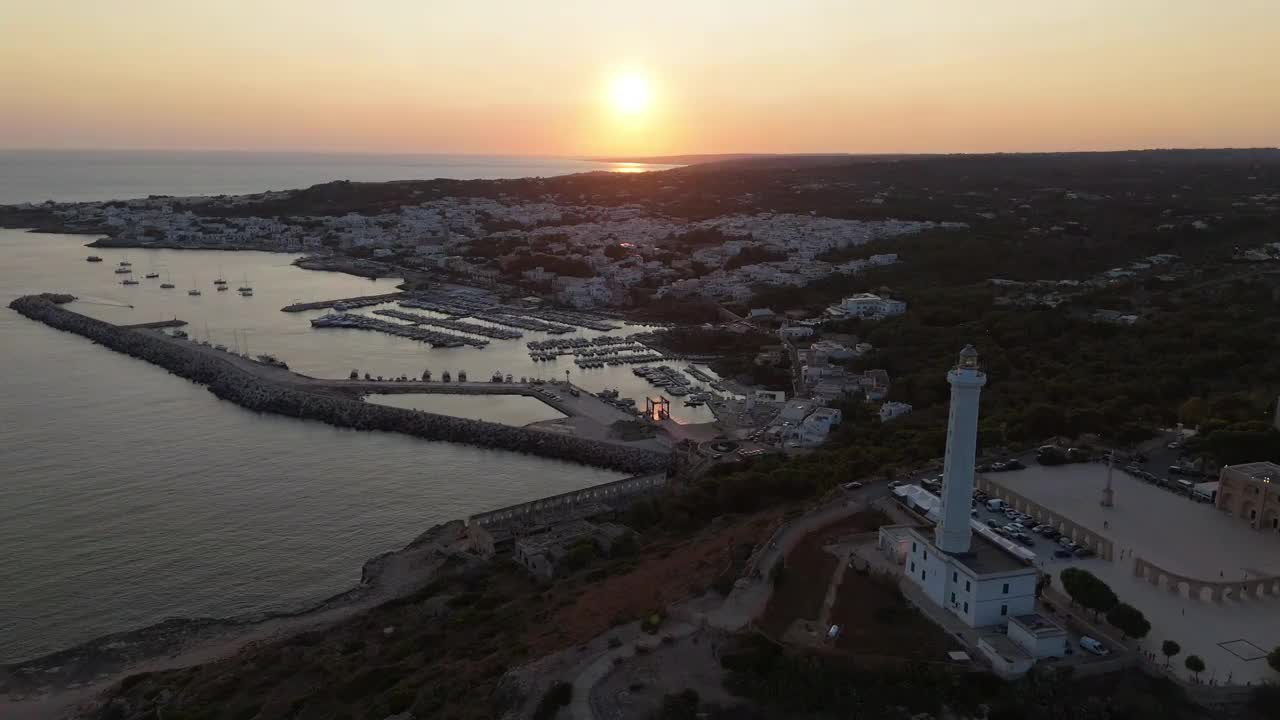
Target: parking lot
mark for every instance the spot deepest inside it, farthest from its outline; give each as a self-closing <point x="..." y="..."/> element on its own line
<point x="1047" y="549"/>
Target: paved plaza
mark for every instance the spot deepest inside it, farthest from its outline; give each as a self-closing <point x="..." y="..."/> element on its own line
<point x="1183" y="536"/>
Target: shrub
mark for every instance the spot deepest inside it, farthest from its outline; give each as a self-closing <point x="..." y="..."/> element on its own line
<point x="556" y="697"/>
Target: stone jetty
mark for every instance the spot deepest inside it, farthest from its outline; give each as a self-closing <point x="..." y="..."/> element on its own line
<point x="346" y="303"/>
<point x="270" y="390"/>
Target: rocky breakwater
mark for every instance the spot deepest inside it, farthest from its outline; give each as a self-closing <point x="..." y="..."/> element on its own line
<point x="232" y="382"/>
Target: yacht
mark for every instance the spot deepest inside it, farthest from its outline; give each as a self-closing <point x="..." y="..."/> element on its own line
<point x="122" y="270"/>
<point x="93" y="258"/>
<point x="220" y="282"/>
<point x="167" y="284"/>
<point x="246" y="292"/>
<point x="152" y="275"/>
<point x="245" y="287"/>
<point x="222" y="288"/>
<point x="128" y="281"/>
<point x="125" y="262"/>
<point x="193" y="291"/>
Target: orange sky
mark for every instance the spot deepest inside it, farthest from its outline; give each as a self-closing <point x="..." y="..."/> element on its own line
<point x="747" y="76"/>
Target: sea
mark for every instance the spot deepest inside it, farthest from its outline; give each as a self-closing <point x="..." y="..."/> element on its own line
<point x="129" y="496"/>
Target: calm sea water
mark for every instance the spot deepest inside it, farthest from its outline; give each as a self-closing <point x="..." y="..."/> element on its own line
<point x="80" y="175"/>
<point x="128" y="495"/>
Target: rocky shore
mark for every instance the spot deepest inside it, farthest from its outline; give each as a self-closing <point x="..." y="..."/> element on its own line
<point x="183" y="641"/>
<point x="232" y="383"/>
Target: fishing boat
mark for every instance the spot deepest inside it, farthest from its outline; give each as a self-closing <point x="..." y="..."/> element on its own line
<point x="93" y="258"/>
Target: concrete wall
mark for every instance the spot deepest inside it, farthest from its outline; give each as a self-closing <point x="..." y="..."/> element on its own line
<point x="1076" y="532"/>
<point x="1041" y="647"/>
<point x="610" y="493"/>
<point x="989" y="597"/>
<point x="1205" y="590"/>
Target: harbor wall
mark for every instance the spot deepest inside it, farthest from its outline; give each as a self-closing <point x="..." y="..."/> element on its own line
<point x="232" y="383"/>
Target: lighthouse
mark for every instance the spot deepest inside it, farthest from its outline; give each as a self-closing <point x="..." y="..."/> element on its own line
<point x="953" y="532"/>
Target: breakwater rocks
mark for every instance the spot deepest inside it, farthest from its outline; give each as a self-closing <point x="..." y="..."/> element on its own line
<point x="237" y="384"/>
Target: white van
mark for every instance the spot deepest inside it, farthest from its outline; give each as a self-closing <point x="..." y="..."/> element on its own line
<point x="1094" y="646"/>
<point x="995" y="505"/>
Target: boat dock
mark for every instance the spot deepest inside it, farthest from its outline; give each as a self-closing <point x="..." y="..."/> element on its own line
<point x="348" y="303"/>
<point x="363" y="322"/>
<point x="466" y="327"/>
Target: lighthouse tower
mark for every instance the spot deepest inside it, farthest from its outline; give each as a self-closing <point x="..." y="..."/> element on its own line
<point x="953" y="532"/>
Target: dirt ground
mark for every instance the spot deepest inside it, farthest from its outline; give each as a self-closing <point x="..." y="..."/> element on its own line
<point x="875" y="620"/>
<point x="664" y="576"/>
<point x="808" y="573"/>
<point x="635" y="691"/>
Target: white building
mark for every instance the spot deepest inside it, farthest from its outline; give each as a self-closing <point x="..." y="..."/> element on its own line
<point x="794" y="332"/>
<point x="891" y="410"/>
<point x="868" y="305"/>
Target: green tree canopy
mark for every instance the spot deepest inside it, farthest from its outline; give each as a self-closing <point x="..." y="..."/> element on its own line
<point x="1194" y="664"/>
<point x="1169" y="649"/>
<point x="1129" y="620"/>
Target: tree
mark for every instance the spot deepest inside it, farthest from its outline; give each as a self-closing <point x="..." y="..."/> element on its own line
<point x="1085" y="588"/>
<point x="1194" y="664"/>
<point x="1193" y="411"/>
<point x="1169" y="649"/>
<point x="1273" y="659"/>
<point x="1129" y="620"/>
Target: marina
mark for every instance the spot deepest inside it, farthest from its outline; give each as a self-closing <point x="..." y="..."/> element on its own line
<point x="472" y="328"/>
<point x="363" y="322"/>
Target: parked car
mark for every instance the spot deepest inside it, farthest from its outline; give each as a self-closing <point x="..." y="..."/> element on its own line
<point x="894" y="485"/>
<point x="852" y="485"/>
<point x="1051" y="533"/>
<point x="993" y="524"/>
<point x="1094" y="646"/>
<point x="1025" y="539"/>
<point x="1062" y="553"/>
<point x="1083" y="552"/>
<point x="1065" y="542"/>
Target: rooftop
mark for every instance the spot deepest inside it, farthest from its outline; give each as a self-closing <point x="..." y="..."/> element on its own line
<point x="1263" y="471"/>
<point x="987" y="558"/>
<point x="1038" y="625"/>
<point x="555" y="535"/>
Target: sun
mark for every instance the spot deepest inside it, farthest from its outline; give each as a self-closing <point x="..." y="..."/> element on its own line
<point x="629" y="93"/>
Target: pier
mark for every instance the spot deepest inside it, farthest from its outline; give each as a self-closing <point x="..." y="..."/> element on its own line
<point x="583" y="437"/>
<point x="157" y="325"/>
<point x="347" y="303"/>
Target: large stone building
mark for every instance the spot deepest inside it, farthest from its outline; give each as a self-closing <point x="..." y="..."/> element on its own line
<point x="1251" y="492"/>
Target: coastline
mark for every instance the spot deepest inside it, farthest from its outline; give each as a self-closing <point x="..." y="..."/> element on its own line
<point x="292" y="395"/>
<point x="49" y="685"/>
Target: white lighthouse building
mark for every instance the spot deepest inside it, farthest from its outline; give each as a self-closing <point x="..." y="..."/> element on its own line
<point x="967" y="573"/>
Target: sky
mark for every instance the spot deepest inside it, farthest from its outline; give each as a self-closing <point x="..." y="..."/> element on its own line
<point x="542" y="77"/>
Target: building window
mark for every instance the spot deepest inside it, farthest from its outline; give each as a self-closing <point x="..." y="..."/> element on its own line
<point x="913" y="566"/>
<point x="1004" y="610"/>
<point x="926" y="554"/>
<point x="1006" y="588"/>
<point x="923" y="574"/>
<point x="953" y="598"/>
<point x="966" y="586"/>
<point x="1253" y="514"/>
<point x="913" y="547"/>
<point x="955" y="576"/>
<point x="966" y="607"/>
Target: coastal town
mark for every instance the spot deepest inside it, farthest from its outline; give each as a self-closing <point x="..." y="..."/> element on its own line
<point x="934" y="446"/>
